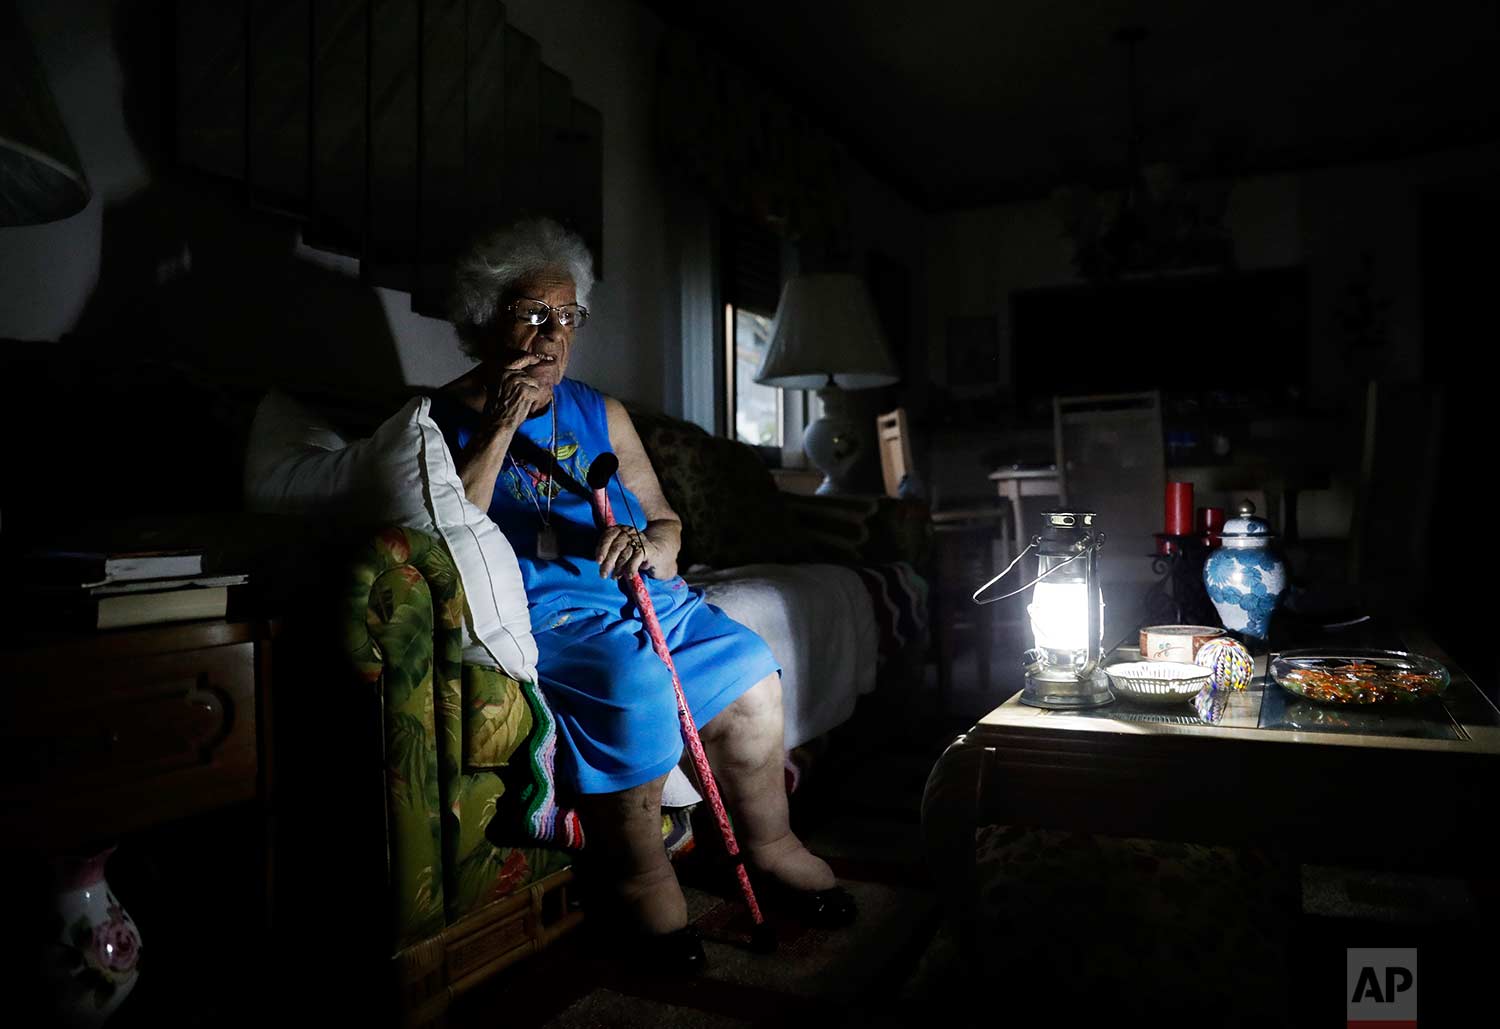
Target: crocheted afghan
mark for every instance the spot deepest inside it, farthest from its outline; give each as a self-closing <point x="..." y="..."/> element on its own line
<point x="545" y="821"/>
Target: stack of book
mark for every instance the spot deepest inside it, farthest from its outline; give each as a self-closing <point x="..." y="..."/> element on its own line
<point x="102" y="590"/>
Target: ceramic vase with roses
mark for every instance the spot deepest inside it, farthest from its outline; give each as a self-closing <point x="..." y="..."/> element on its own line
<point x="93" y="957"/>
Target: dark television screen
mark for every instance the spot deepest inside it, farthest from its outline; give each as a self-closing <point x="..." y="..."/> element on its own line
<point x="1175" y="333"/>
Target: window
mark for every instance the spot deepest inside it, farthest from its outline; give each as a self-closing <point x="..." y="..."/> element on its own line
<point x="754" y="410"/>
<point x="751" y="269"/>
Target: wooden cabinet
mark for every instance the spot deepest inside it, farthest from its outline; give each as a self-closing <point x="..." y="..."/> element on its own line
<point x="112" y="732"/>
<point x="157" y="740"/>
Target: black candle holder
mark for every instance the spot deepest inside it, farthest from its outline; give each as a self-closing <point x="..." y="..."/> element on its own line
<point x="1179" y="595"/>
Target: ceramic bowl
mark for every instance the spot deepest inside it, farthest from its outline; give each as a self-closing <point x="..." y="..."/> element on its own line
<point x="1157" y="682"/>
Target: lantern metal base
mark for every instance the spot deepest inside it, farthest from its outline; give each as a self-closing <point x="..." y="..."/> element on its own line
<point x="1073" y="694"/>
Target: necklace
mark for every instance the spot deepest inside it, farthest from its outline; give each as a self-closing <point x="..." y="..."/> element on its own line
<point x="546" y="537"/>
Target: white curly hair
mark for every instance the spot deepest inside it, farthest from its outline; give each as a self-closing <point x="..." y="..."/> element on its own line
<point x="499" y="261"/>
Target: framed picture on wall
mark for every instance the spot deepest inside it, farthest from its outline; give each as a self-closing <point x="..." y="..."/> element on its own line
<point x="973" y="352"/>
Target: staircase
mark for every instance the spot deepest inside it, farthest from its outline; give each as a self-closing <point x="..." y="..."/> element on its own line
<point x="394" y="131"/>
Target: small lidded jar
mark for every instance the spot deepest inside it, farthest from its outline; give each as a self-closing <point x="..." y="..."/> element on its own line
<point x="1245" y="578"/>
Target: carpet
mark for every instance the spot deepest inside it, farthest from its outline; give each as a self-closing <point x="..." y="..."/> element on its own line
<point x="836" y="965"/>
<point x="605" y="1007"/>
<point x="820" y="975"/>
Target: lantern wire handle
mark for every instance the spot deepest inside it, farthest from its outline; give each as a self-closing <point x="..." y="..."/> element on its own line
<point x="1089" y="540"/>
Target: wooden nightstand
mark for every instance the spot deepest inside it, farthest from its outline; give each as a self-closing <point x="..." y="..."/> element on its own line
<point x="157" y="738"/>
<point x="105" y="733"/>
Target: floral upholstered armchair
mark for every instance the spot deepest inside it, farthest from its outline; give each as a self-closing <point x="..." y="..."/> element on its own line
<point x="468" y="893"/>
<point x="451" y="731"/>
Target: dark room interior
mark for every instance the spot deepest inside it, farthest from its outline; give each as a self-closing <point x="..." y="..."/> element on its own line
<point x="1082" y="406"/>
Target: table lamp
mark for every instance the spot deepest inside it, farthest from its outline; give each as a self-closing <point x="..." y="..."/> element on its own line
<point x="827" y="337"/>
<point x="41" y="179"/>
<point x="1066" y="612"/>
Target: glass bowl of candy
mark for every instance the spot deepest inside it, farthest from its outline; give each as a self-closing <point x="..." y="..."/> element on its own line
<point x="1354" y="677"/>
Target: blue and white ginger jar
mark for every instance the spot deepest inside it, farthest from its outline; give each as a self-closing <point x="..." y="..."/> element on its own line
<point x="1244" y="578"/>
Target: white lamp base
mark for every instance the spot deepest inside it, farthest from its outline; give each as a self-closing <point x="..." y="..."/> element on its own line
<point x="832" y="442"/>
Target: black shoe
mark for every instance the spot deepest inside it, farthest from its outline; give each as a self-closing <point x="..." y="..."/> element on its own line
<point x="617" y="942"/>
<point x="833" y="908"/>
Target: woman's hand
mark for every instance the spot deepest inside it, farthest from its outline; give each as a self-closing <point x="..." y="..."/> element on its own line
<point x="515" y="393"/>
<point x="510" y="397"/>
<point x="624" y="551"/>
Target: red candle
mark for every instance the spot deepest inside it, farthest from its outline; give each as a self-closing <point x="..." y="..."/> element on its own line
<point x="1179" y="508"/>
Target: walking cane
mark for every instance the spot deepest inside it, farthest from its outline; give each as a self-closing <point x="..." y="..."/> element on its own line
<point x="761" y="937"/>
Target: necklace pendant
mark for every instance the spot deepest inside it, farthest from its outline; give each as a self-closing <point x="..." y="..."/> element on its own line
<point x="546" y="544"/>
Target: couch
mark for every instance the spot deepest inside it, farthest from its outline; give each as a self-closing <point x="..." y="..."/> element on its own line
<point x="836" y="585"/>
<point x="833" y="585"/>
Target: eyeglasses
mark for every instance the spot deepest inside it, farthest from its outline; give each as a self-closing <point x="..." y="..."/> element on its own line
<point x="536" y="312"/>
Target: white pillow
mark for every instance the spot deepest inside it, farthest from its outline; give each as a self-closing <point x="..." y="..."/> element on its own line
<point x="296" y="463"/>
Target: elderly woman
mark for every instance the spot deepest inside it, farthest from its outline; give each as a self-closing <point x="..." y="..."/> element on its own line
<point x="524" y="435"/>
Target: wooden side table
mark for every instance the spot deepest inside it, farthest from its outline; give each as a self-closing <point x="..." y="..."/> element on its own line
<point x="1389" y="790"/>
<point x="105" y="733"/>
<point x="155" y="737"/>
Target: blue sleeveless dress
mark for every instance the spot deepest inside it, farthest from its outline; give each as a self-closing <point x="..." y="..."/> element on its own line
<point x="612" y="696"/>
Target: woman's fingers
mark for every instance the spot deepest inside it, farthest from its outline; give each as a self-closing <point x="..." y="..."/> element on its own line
<point x="618" y="552"/>
<point x="513" y="372"/>
<point x="517" y="377"/>
<point x="517" y="392"/>
<point x="611" y="546"/>
<point x="636" y="559"/>
<point x="515" y="383"/>
<point x="527" y="360"/>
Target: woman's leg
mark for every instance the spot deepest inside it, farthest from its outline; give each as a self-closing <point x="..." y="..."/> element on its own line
<point x="744" y="745"/>
<point x="624" y="837"/>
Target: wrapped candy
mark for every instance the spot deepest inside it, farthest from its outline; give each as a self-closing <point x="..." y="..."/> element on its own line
<point x="1228" y="662"/>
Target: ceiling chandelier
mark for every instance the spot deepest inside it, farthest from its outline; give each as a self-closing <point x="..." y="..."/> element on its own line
<point x="1155" y="222"/>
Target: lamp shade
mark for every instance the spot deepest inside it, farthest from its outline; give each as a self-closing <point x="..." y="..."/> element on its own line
<point x="825" y="329"/>
<point x="41" y="179"/>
